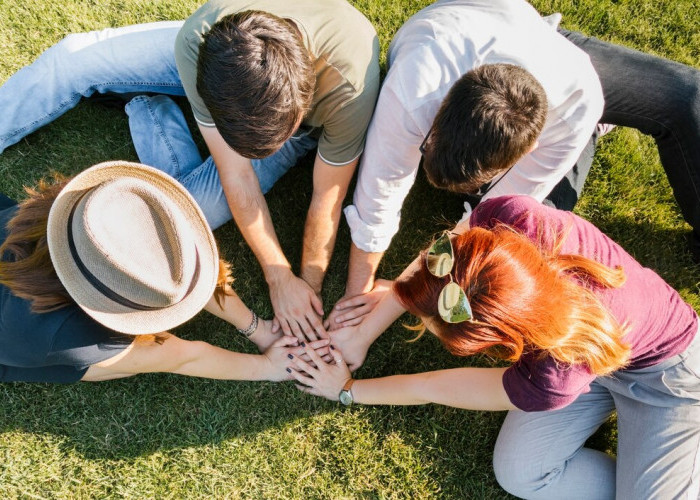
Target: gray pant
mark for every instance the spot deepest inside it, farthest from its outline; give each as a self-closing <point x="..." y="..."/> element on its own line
<point x="541" y="454"/>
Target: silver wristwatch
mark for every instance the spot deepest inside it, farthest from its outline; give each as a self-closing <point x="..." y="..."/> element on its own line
<point x="345" y="396"/>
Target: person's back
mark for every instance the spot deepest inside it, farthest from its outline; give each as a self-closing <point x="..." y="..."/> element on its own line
<point x="429" y="54"/>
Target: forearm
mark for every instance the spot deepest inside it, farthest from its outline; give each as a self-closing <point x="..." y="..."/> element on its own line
<point x="213" y="362"/>
<point x="330" y="187"/>
<point x="362" y="268"/>
<point x="247" y="204"/>
<point x="171" y="354"/>
<point x="388" y="310"/>
<point x="252" y="216"/>
<point x="466" y="388"/>
<point x="232" y="310"/>
<point x="319" y="240"/>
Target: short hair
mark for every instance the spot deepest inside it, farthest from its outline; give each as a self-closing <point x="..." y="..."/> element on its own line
<point x="489" y="119"/>
<point x="257" y="80"/>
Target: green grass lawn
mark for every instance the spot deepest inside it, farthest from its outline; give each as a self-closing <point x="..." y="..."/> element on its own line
<point x="164" y="436"/>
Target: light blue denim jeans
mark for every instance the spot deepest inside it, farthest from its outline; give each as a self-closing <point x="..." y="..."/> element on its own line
<point x="131" y="59"/>
<point x="541" y="454"/>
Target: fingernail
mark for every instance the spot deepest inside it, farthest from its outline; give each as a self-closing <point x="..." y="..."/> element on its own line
<point x="332" y="347"/>
<point x="303" y="344"/>
<point x="290" y="356"/>
<point x="288" y="370"/>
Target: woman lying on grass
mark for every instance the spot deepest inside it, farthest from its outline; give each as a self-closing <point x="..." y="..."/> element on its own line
<point x="587" y="331"/>
<point x="94" y="272"/>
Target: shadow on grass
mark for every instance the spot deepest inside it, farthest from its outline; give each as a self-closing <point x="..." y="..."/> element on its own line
<point x="150" y="413"/>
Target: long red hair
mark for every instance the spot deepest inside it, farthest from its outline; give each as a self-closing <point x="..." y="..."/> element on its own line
<point x="524" y="297"/>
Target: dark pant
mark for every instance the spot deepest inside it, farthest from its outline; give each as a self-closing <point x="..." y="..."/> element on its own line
<point x="656" y="96"/>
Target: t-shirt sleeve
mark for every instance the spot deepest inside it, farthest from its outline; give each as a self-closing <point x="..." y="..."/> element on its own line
<point x="186" y="55"/>
<point x="343" y="136"/>
<point x="60" y="374"/>
<point x="78" y="343"/>
<point x="542" y="384"/>
<point x="81" y="342"/>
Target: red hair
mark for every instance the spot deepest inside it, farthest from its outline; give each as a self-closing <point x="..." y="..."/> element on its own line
<point x="524" y="298"/>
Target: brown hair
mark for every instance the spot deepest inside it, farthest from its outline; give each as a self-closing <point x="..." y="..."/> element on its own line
<point x="490" y="118"/>
<point x="26" y="268"/>
<point x="524" y="299"/>
<point x="257" y="80"/>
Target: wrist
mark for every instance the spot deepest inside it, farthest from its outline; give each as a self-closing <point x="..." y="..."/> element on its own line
<point x="354" y="286"/>
<point x="312" y="279"/>
<point x="252" y="327"/>
<point x="274" y="275"/>
<point x="346" y="396"/>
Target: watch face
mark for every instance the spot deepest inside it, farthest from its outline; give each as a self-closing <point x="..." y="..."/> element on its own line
<point x="345" y="397"/>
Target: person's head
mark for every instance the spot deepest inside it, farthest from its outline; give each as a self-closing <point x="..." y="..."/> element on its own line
<point x="490" y="118"/>
<point x="523" y="299"/>
<point x="125" y="242"/>
<point x="257" y="80"/>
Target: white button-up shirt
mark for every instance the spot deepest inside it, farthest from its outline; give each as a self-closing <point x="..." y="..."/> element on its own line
<point x="430" y="53"/>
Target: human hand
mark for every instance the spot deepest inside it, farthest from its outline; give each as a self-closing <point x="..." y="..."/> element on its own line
<point x="354" y="346"/>
<point x="277" y="357"/>
<point x="297" y="307"/>
<point x="265" y="334"/>
<point x="321" y="379"/>
<point x="350" y="311"/>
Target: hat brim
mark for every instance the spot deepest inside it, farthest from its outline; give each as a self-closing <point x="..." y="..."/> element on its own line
<point x="109" y="313"/>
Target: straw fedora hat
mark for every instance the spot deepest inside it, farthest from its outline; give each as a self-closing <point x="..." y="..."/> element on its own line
<point x="132" y="247"/>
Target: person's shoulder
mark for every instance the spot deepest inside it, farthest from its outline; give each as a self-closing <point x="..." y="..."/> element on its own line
<point x="505" y="209"/>
<point x="26" y="338"/>
<point x="339" y="36"/>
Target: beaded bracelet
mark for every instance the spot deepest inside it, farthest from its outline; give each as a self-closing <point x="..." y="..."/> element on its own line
<point x="251" y="328"/>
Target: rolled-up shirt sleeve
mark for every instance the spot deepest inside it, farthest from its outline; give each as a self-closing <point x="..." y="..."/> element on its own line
<point x="387" y="171"/>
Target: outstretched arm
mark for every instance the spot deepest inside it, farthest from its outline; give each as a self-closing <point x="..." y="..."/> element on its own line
<point x="168" y="353"/>
<point x="330" y="187"/>
<point x="233" y="310"/>
<point x="467" y="388"/>
<point x="295" y="303"/>
<point x="360" y="294"/>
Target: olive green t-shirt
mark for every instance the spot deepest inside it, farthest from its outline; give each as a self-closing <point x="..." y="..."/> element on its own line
<point x="345" y="50"/>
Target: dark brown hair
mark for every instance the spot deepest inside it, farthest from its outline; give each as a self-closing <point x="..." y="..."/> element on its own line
<point x="257" y="80"/>
<point x="489" y="119"/>
<point x="26" y="267"/>
<point x="524" y="298"/>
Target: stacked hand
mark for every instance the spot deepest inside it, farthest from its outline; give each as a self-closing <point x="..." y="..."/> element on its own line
<point x="287" y="348"/>
<point x="351" y="310"/>
<point x="318" y="377"/>
<point x="298" y="310"/>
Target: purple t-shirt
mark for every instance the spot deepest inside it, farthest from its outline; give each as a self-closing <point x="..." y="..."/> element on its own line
<point x="661" y="323"/>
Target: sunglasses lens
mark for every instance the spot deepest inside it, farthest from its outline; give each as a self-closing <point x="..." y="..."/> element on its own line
<point x="453" y="305"/>
<point x="440" y="258"/>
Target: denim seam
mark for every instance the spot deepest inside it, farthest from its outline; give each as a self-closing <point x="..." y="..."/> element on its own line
<point x="164" y="137"/>
<point x="56" y="112"/>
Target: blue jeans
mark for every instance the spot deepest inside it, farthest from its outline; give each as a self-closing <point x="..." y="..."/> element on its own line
<point x="131" y="59"/>
<point x="541" y="454"/>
